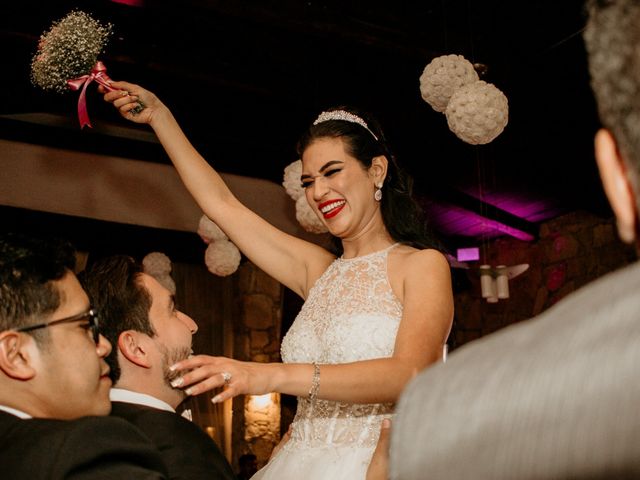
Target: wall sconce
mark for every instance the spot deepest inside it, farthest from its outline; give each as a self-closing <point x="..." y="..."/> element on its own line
<point x="502" y="282"/>
<point x="262" y="417"/>
<point x="488" y="284"/>
<point x="494" y="281"/>
<point x="260" y="402"/>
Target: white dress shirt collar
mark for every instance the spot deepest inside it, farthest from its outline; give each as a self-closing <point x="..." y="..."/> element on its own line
<point x="13" y="411"/>
<point x="127" y="396"/>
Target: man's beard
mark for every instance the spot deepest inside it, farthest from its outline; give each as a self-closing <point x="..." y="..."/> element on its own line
<point x="170" y="357"/>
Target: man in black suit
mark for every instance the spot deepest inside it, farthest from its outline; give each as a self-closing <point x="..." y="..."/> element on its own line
<point x="149" y="335"/>
<point x="52" y="373"/>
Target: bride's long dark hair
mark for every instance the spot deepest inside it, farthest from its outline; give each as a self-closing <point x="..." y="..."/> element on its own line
<point x="402" y="216"/>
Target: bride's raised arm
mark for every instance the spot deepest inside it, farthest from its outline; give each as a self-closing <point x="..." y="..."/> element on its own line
<point x="345" y="180"/>
<point x="290" y="260"/>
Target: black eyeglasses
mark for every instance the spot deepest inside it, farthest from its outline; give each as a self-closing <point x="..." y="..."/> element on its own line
<point x="90" y="315"/>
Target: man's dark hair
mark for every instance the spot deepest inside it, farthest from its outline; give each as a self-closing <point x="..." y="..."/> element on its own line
<point x="115" y="290"/>
<point x="29" y="266"/>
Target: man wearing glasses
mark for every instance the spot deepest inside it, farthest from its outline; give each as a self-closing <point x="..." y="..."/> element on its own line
<point x="149" y="334"/>
<point x="54" y="382"/>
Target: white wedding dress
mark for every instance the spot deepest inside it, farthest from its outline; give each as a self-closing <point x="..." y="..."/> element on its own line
<point x="351" y="314"/>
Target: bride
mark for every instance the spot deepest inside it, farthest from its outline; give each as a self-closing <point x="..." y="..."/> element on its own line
<point x="373" y="316"/>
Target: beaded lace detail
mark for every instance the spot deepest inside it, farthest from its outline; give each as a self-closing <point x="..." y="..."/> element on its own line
<point x="351" y="314"/>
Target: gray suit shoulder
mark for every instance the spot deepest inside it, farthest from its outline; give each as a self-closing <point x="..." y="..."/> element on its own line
<point x="552" y="397"/>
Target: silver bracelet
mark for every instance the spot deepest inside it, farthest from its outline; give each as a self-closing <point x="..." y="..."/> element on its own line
<point x="315" y="383"/>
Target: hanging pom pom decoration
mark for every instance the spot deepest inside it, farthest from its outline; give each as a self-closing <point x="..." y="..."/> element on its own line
<point x="307" y="218"/>
<point x="222" y="257"/>
<point x="291" y="181"/>
<point x="158" y="265"/>
<point x="477" y="113"/>
<point x="305" y="215"/>
<point x="67" y="58"/>
<point x="209" y="231"/>
<point x="442" y="77"/>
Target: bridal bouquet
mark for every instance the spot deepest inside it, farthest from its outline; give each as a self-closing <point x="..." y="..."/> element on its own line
<point x="67" y="57"/>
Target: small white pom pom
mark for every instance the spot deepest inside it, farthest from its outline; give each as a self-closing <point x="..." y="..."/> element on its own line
<point x="308" y="218"/>
<point x="291" y="181"/>
<point x="222" y="258"/>
<point x="209" y="231"/>
<point x="158" y="265"/>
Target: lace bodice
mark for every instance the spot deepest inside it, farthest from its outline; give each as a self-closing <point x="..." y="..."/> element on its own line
<point x="351" y="314"/>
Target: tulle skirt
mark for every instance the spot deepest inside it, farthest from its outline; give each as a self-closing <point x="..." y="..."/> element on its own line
<point x="301" y="462"/>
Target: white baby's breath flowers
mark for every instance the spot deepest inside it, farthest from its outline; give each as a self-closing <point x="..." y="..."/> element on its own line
<point x="68" y="50"/>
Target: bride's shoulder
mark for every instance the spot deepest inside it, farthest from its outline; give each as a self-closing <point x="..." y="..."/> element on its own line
<point x="414" y="270"/>
<point x="427" y="256"/>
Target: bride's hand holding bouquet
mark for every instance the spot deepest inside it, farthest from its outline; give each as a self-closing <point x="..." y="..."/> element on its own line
<point x="134" y="102"/>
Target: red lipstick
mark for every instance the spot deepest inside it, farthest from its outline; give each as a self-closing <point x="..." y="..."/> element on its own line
<point x="331" y="208"/>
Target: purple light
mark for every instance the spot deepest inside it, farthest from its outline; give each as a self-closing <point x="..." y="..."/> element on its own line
<point x="468" y="254"/>
<point x="453" y="220"/>
<point x="131" y="3"/>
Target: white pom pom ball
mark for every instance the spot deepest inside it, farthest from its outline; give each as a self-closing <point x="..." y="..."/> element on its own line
<point x="167" y="282"/>
<point x="158" y="265"/>
<point x="209" y="231"/>
<point x="222" y="258"/>
<point x="442" y="77"/>
<point x="291" y="181"/>
<point x="308" y="218"/>
<point x="477" y="113"/>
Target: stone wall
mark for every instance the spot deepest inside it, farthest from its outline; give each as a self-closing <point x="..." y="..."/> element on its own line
<point x="256" y="421"/>
<point x="572" y="250"/>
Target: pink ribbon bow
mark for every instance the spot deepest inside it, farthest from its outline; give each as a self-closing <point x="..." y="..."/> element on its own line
<point x="99" y="74"/>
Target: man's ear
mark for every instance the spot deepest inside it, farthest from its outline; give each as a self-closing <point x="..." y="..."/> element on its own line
<point x="617" y="185"/>
<point x="16" y="353"/>
<point x="132" y="346"/>
<point x="378" y="169"/>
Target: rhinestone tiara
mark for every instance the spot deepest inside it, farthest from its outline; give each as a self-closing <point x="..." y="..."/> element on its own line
<point x="345" y="116"/>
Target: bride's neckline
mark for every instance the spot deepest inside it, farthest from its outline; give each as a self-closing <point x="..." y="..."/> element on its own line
<point x="378" y="252"/>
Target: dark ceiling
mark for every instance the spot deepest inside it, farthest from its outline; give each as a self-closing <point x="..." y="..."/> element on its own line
<point x="246" y="77"/>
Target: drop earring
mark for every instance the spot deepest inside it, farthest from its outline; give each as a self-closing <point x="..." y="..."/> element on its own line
<point x="378" y="193"/>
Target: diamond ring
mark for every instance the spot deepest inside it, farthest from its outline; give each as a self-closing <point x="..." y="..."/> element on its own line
<point x="226" y="376"/>
<point x="138" y="108"/>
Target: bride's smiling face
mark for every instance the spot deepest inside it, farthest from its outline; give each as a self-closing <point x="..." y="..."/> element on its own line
<point x="338" y="188"/>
